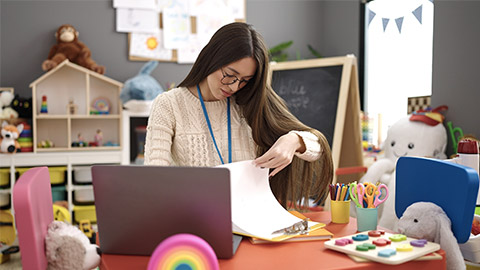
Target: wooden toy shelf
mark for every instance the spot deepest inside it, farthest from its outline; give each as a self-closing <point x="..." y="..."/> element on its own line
<point x="71" y="104"/>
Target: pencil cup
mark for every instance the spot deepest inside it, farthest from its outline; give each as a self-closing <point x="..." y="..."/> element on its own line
<point x="366" y="219"/>
<point x="340" y="211"/>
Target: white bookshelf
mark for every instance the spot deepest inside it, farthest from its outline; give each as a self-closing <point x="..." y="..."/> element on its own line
<point x="67" y="159"/>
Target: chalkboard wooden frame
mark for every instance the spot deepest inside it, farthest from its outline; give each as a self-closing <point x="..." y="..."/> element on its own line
<point x="347" y="137"/>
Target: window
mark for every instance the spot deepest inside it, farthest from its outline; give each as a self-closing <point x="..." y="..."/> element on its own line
<point x="398" y="58"/>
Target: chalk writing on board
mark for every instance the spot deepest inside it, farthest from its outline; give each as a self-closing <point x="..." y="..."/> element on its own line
<point x="296" y="91"/>
<point x="311" y="95"/>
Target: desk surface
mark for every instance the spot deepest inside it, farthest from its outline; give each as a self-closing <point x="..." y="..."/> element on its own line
<point x="294" y="255"/>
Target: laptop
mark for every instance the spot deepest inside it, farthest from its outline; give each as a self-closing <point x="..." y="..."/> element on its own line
<point x="138" y="207"/>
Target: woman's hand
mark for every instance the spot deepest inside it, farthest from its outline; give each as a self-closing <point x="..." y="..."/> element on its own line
<point x="281" y="153"/>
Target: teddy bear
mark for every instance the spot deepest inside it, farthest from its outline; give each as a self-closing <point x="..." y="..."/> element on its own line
<point x="6" y="111"/>
<point x="69" y="248"/>
<point x="426" y="220"/>
<point x="69" y="47"/>
<point x="419" y="134"/>
<point x="10" y="134"/>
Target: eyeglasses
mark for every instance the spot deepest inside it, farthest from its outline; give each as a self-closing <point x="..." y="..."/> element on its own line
<point x="231" y="79"/>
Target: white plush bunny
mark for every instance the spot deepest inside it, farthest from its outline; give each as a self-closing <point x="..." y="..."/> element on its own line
<point x="426" y="220"/>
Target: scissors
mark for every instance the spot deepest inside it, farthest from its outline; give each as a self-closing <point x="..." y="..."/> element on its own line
<point x="370" y="191"/>
<point x="379" y="193"/>
<point x="357" y="192"/>
<point x="353" y="192"/>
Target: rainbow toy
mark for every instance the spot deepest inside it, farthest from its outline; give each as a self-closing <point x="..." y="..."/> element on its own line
<point x="100" y="105"/>
<point x="44" y="106"/>
<point x="183" y="252"/>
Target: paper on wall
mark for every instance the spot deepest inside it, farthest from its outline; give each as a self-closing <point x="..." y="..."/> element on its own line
<point x="189" y="54"/>
<point x="255" y="210"/>
<point x="237" y="8"/>
<point x="210" y="16"/>
<point x="149" y="46"/>
<point x="137" y="20"/>
<point x="142" y="4"/>
<point x="176" y="24"/>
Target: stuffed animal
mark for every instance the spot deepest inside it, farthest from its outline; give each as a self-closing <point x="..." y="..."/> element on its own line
<point x="69" y="47"/>
<point x="143" y="86"/>
<point x="10" y="134"/>
<point x="69" y="248"/>
<point x="420" y="134"/>
<point x="23" y="106"/>
<point x="6" y="111"/>
<point x="426" y="220"/>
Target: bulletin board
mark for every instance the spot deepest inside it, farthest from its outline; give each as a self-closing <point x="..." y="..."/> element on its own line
<point x="173" y="31"/>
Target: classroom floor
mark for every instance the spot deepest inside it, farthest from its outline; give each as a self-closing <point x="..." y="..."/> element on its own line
<point x="15" y="262"/>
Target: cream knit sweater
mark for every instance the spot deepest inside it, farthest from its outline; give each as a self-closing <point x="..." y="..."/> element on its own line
<point x="178" y="134"/>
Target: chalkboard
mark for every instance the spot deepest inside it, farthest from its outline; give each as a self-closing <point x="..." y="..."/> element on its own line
<point x="311" y="95"/>
<point x="323" y="94"/>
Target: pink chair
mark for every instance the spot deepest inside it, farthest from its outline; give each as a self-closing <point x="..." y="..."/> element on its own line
<point x="32" y="201"/>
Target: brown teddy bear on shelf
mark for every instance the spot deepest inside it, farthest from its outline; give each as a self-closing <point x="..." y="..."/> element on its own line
<point x="69" y="47"/>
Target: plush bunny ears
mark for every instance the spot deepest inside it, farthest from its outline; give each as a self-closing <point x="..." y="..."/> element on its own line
<point x="429" y="116"/>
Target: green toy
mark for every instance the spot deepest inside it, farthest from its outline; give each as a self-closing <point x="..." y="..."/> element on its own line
<point x="455" y="139"/>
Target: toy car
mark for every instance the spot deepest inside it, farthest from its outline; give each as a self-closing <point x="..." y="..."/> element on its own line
<point x="86" y="227"/>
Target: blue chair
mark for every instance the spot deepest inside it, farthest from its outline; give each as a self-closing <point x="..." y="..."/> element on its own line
<point x="451" y="186"/>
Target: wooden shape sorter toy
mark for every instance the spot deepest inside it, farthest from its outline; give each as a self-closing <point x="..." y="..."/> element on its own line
<point x="383" y="247"/>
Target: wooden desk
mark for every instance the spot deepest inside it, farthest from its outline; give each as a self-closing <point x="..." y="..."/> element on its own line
<point x="295" y="255"/>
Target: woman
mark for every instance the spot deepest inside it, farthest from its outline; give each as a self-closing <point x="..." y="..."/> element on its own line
<point x="224" y="111"/>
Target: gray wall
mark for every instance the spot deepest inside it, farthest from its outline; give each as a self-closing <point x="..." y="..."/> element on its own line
<point x="456" y="59"/>
<point x="28" y="27"/>
<point x="332" y="27"/>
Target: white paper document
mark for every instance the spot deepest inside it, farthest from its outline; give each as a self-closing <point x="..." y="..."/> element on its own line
<point x="255" y="210"/>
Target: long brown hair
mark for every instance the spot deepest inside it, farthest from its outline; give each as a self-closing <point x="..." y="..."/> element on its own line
<point x="265" y="112"/>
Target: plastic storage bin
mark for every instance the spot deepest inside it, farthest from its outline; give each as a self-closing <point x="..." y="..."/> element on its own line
<point x="81" y="212"/>
<point x="4" y="200"/>
<point x="83" y="196"/>
<point x="4" y="177"/>
<point x="472" y="266"/>
<point x="57" y="174"/>
<point x="59" y="193"/>
<point x="82" y="174"/>
<point x="471" y="249"/>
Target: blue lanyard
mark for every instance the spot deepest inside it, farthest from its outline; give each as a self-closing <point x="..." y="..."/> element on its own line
<point x="210" y="127"/>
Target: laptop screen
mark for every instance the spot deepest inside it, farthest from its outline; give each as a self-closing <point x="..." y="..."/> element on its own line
<point x="139" y="206"/>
